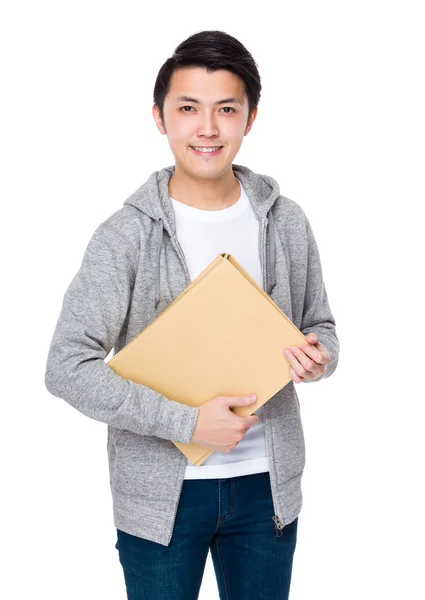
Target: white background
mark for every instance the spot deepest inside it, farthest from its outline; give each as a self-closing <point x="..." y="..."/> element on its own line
<point x="341" y="127"/>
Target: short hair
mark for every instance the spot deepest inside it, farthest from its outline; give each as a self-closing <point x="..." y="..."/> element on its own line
<point x="212" y="50"/>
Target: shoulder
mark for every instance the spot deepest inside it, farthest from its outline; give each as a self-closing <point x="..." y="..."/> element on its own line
<point x="128" y="219"/>
<point x="128" y="223"/>
<point x="287" y="207"/>
<point x="289" y="216"/>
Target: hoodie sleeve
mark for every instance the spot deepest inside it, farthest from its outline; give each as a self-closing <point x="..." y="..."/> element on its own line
<point x="93" y="312"/>
<point x="317" y="316"/>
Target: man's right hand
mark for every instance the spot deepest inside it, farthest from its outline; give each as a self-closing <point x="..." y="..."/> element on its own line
<point x="218" y="427"/>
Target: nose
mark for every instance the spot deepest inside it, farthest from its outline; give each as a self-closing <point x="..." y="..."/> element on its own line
<point x="207" y="126"/>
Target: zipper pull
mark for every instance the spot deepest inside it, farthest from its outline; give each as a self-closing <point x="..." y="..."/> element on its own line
<point x="278" y="525"/>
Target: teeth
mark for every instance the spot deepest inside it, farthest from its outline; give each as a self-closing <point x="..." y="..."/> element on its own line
<point x="200" y="149"/>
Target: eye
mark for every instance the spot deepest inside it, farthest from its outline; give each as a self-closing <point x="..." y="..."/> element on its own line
<point x="187" y="106"/>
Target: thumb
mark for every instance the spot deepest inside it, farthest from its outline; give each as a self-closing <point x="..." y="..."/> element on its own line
<point x="311" y="338"/>
<point x="241" y="400"/>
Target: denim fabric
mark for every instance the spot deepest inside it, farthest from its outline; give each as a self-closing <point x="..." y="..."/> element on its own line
<point x="230" y="517"/>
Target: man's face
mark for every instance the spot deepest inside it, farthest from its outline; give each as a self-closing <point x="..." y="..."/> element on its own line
<point x="201" y="122"/>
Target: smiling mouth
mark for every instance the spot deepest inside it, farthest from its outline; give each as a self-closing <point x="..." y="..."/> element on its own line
<point x="207" y="150"/>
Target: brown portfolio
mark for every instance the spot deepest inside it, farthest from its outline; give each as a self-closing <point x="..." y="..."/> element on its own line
<point x="222" y="336"/>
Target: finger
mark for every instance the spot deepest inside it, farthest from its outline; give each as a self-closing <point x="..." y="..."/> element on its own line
<point x="324" y="354"/>
<point x="312" y="338"/>
<point x="314" y="352"/>
<point x="306" y="365"/>
<point x="294" y="376"/>
<point x="321" y="348"/>
<point x="298" y="369"/>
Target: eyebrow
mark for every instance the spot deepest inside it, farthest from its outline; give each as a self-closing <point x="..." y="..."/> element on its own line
<point x="230" y="100"/>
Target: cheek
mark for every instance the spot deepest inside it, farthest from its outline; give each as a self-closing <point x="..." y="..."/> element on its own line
<point x="235" y="131"/>
<point x="180" y="133"/>
<point x="233" y="128"/>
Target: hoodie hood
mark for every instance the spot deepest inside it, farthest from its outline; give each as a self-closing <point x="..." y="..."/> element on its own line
<point x="152" y="198"/>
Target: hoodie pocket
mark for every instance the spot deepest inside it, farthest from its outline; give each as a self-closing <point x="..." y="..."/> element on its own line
<point x="145" y="466"/>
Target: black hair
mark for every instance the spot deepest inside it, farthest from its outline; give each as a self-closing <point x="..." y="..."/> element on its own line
<point x="212" y="50"/>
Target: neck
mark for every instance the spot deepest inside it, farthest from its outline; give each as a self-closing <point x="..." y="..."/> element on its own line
<point x="206" y="194"/>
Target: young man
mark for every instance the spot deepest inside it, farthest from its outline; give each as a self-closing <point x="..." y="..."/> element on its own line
<point x="243" y="502"/>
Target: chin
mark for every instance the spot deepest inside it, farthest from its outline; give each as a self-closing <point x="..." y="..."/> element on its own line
<point x="211" y="172"/>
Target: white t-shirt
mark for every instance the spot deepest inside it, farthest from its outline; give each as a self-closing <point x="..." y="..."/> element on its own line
<point x="203" y="234"/>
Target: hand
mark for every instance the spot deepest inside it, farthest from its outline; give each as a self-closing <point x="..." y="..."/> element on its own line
<point x="306" y="362"/>
<point x="218" y="427"/>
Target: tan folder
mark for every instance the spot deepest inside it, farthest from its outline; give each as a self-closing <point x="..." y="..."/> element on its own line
<point x="222" y="336"/>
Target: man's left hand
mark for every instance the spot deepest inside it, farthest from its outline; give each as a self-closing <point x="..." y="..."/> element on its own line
<point x="307" y="362"/>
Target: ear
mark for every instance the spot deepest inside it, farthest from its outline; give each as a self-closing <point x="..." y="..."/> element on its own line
<point x="251" y="121"/>
<point x="158" y="120"/>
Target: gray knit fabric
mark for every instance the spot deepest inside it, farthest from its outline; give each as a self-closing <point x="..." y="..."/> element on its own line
<point x="132" y="269"/>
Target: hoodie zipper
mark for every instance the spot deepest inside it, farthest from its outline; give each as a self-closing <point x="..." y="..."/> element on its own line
<point x="183" y="259"/>
<point x="176" y="507"/>
<point x="182" y="256"/>
<point x="278" y="525"/>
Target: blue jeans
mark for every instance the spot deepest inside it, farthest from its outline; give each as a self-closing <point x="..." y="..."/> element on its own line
<point x="232" y="518"/>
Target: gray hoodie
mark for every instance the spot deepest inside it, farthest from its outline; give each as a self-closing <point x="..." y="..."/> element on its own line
<point x="132" y="269"/>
